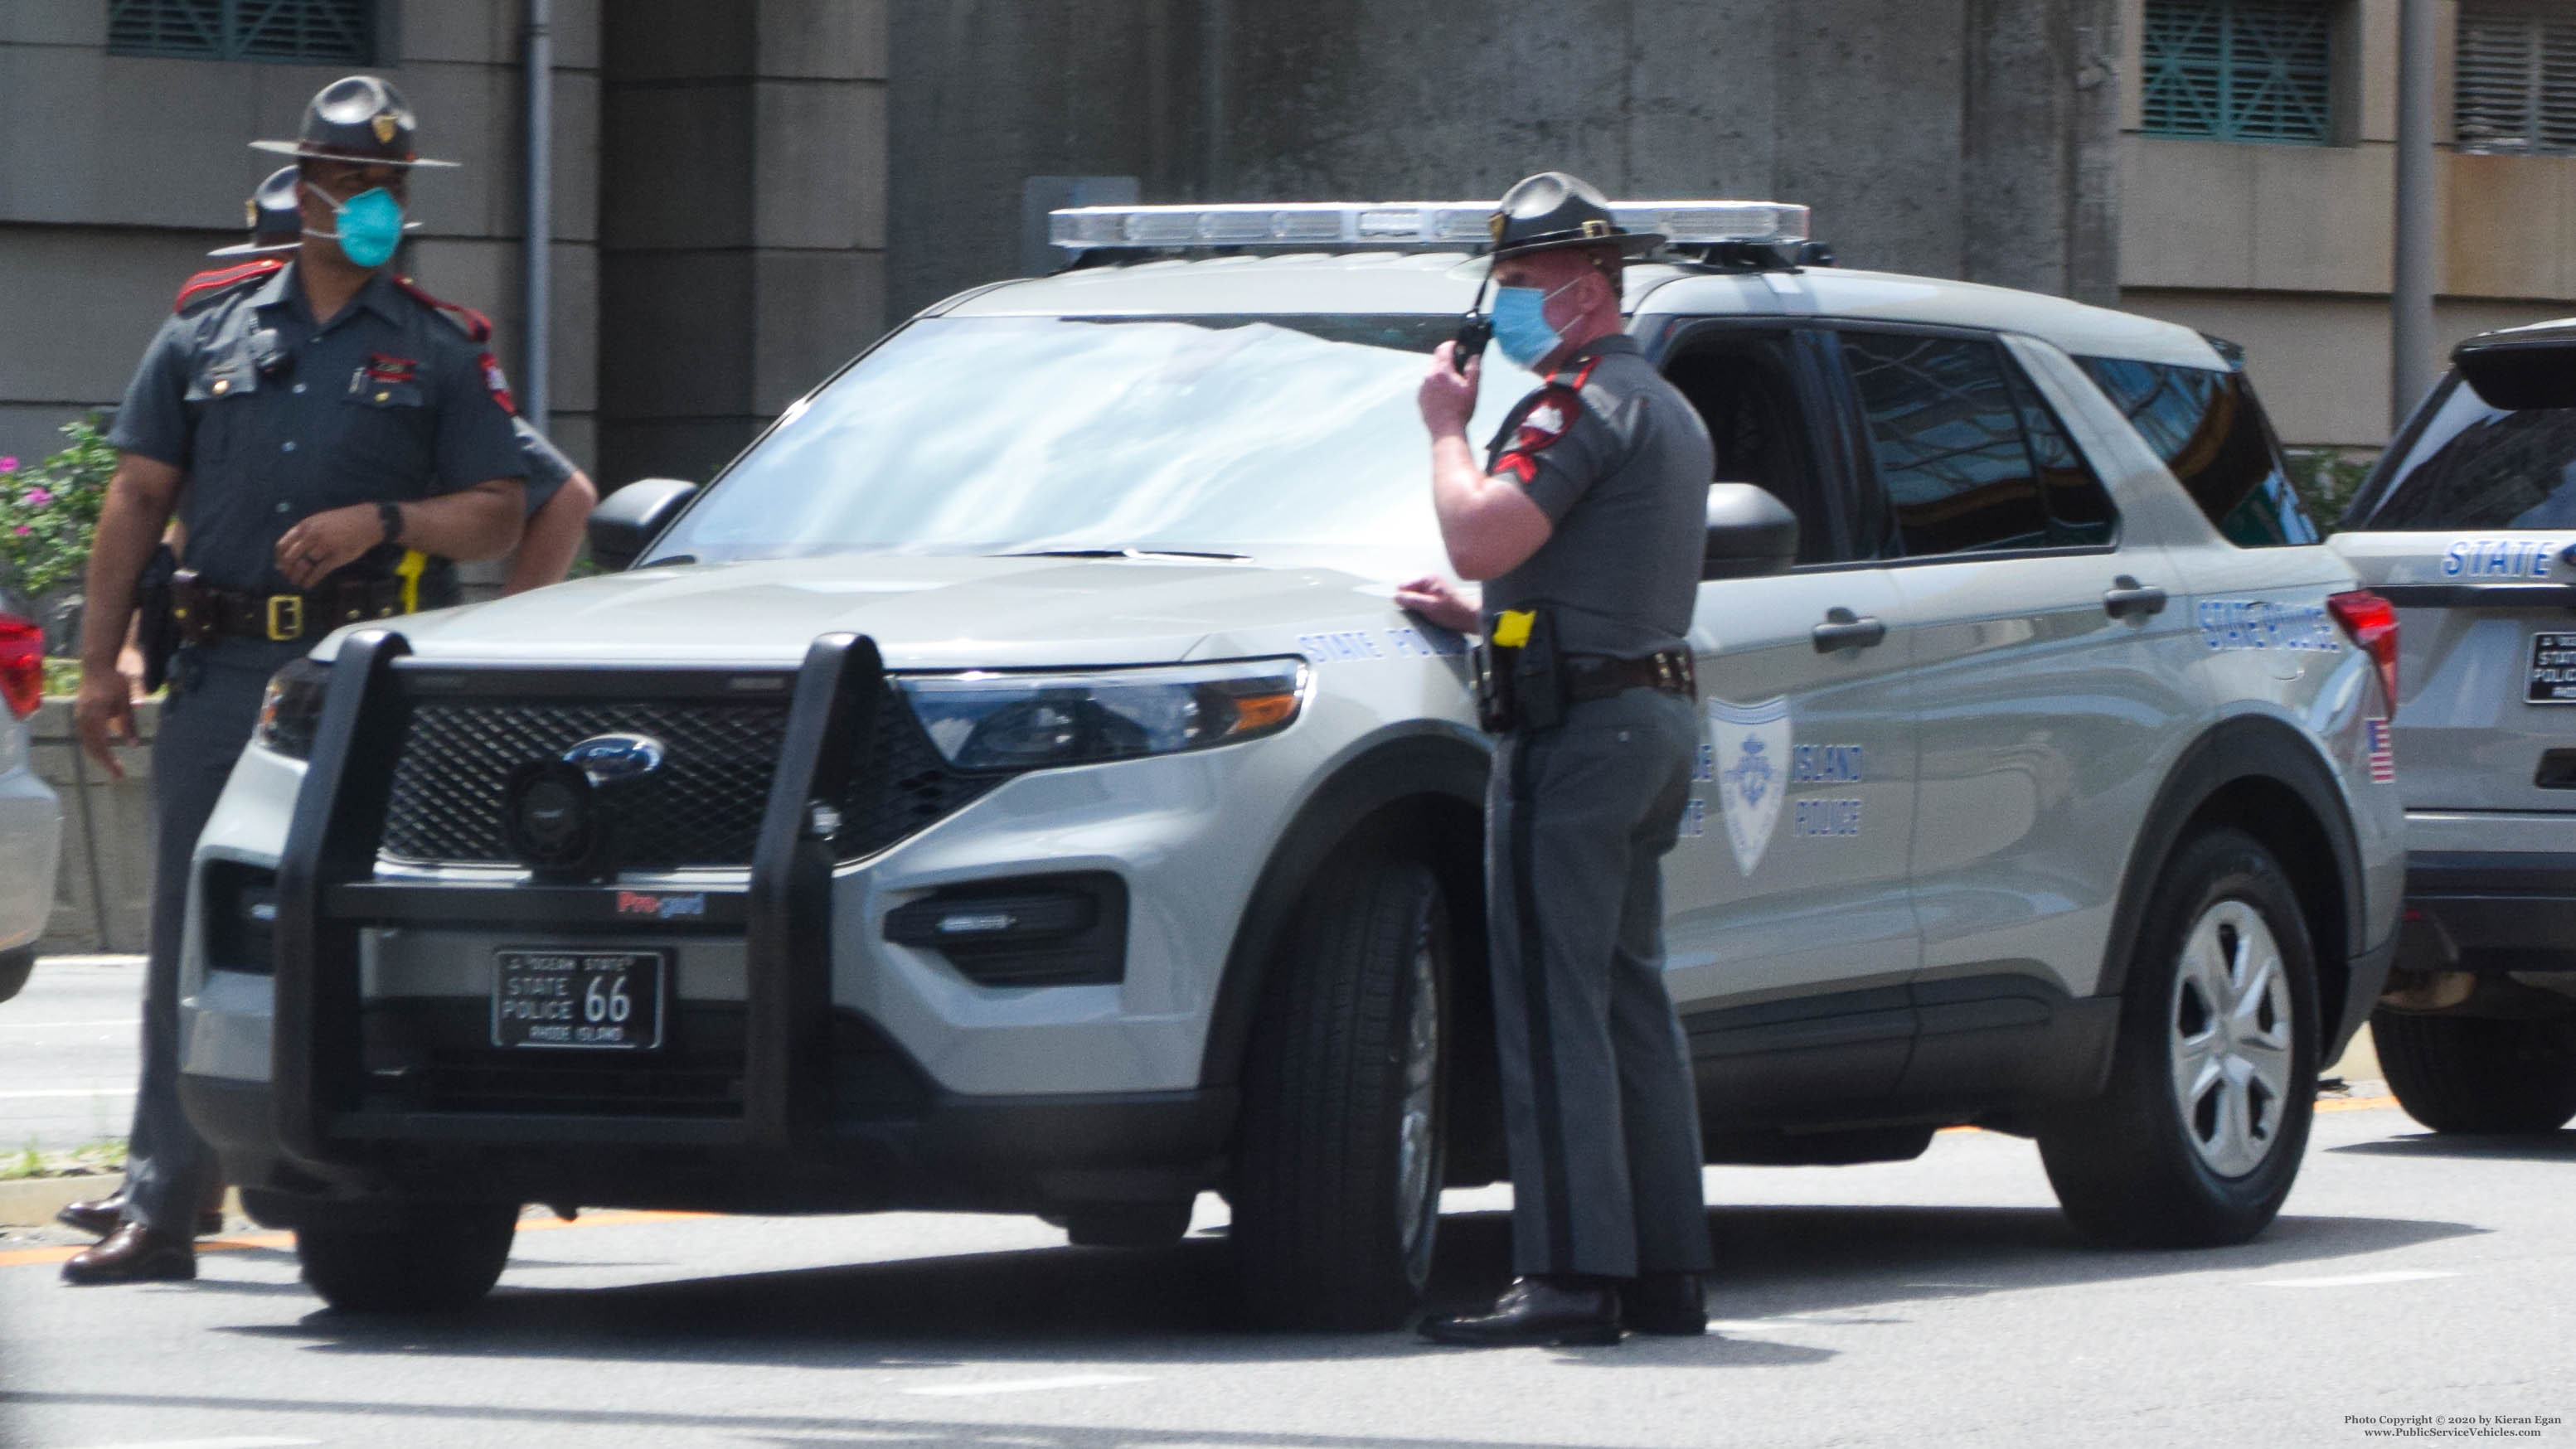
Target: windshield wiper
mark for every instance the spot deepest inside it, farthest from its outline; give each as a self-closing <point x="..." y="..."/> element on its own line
<point x="1116" y="553"/>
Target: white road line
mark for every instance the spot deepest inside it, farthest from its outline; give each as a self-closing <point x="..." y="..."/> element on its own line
<point x="64" y="1025"/>
<point x="238" y="1441"/>
<point x="2355" y="1280"/>
<point x="1028" y="1386"/>
<point x="67" y="1092"/>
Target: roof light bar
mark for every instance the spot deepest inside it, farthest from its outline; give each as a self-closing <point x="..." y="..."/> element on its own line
<point x="1335" y="224"/>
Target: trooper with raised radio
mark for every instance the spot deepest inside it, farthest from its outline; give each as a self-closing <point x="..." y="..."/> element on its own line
<point x="1585" y="523"/>
<point x="321" y="430"/>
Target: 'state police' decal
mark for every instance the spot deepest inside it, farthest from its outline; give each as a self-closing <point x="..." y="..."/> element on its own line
<point x="2501" y="558"/>
<point x="1751" y="744"/>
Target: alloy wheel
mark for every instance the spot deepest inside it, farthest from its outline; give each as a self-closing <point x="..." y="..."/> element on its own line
<point x="2230" y="1028"/>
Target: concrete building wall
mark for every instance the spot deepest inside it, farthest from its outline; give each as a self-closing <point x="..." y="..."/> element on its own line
<point x="1970" y="138"/>
<point x="2287" y="249"/>
<point x="119" y="172"/>
<point x="743" y="228"/>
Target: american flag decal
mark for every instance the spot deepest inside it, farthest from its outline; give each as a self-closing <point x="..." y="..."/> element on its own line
<point x="2383" y="755"/>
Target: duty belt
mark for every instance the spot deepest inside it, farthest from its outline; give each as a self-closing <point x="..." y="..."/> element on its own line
<point x="206" y="612"/>
<point x="1599" y="676"/>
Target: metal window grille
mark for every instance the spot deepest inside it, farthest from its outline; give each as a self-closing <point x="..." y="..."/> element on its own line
<point x="2516" y="84"/>
<point x="2240" y="70"/>
<point x="310" y="31"/>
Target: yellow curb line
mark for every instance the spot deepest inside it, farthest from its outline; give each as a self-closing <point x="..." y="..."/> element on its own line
<point x="22" y="1257"/>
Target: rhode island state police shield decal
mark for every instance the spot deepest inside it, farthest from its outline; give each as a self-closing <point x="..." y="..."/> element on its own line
<point x="1752" y="746"/>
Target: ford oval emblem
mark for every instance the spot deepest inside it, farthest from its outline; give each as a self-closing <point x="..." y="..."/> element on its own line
<point x="612" y="759"/>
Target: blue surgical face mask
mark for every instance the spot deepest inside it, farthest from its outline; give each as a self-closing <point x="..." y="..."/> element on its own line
<point x="371" y="225"/>
<point x="1520" y="324"/>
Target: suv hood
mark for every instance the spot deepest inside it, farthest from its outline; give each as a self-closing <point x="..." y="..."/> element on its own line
<point x="924" y="612"/>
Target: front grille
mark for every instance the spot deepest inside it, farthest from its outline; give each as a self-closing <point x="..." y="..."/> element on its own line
<point x="702" y="808"/>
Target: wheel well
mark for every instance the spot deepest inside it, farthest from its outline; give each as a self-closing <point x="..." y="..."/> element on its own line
<point x="2276" y="815"/>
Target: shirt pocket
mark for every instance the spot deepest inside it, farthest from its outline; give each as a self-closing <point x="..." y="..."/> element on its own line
<point x="220" y="384"/>
<point x="386" y="427"/>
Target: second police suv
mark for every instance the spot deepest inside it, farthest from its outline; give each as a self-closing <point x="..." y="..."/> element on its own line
<point x="1009" y="787"/>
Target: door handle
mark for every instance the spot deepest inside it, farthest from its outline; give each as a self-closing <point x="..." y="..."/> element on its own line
<point x="1843" y="629"/>
<point x="2127" y="596"/>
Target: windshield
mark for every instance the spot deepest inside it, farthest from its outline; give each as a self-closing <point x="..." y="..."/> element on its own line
<point x="1232" y="435"/>
<point x="2473" y="465"/>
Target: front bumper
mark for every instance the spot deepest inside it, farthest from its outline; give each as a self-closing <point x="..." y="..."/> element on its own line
<point x="806" y="1076"/>
<point x="31" y="826"/>
<point x="2489" y="911"/>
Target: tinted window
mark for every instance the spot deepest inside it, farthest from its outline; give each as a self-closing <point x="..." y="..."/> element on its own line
<point x="2471" y="465"/>
<point x="1744" y="384"/>
<point x="1968" y="457"/>
<point x="2210" y="430"/>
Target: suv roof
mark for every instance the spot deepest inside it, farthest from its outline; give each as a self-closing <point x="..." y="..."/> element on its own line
<point x="1382" y="282"/>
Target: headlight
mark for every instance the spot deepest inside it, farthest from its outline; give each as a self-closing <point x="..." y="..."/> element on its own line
<point x="993" y="721"/>
<point x="292" y="709"/>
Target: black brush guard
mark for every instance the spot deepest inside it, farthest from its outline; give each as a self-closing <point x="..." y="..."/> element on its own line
<point x="327" y="893"/>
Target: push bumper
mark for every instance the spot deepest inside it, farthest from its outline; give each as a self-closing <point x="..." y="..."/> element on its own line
<point x="788" y="1103"/>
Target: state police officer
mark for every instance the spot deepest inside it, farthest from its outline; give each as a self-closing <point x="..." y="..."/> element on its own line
<point x="1585" y="521"/>
<point x="313" y="422"/>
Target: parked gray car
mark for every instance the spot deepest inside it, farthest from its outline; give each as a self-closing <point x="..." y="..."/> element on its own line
<point x="2467" y="524"/>
<point x="31" y="819"/>
<point x="1009" y="785"/>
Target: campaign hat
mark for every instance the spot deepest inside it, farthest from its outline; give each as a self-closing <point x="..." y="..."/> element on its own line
<point x="358" y="118"/>
<point x="276" y="221"/>
<point x="1551" y="210"/>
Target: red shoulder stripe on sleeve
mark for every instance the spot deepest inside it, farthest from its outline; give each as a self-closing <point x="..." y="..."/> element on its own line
<point x="476" y="326"/>
<point x="221" y="277"/>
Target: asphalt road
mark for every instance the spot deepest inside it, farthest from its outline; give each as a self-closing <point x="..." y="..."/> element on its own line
<point x="68" y="1052"/>
<point x="1941" y="1301"/>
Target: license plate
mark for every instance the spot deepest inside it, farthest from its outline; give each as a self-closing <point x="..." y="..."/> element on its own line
<point x="579" y="1000"/>
<point x="2552" y="676"/>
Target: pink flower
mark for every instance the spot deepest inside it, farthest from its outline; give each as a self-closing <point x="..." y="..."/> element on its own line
<point x="8" y="465"/>
<point x="24" y="530"/>
<point x="38" y="497"/>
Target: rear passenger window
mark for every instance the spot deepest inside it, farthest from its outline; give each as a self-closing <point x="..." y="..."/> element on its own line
<point x="1968" y="455"/>
<point x="2208" y="427"/>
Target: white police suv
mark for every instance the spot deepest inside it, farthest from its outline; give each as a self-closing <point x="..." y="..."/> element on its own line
<point x="1008" y="786"/>
<point x="2469" y="526"/>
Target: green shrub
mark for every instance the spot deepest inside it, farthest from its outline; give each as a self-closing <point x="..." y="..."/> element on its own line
<point x="49" y="511"/>
<point x="2326" y="479"/>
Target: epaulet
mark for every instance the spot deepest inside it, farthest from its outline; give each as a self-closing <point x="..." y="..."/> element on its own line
<point x="476" y="327"/>
<point x="1582" y="375"/>
<point x="204" y="285"/>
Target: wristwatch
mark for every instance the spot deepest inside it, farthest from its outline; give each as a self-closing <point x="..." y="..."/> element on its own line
<point x="390" y="516"/>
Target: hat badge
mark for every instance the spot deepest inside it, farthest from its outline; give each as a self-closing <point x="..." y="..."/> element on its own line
<point x="385" y="125"/>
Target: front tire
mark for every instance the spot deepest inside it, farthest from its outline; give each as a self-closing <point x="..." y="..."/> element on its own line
<point x="446" y="1258"/>
<point x="2479" y="1074"/>
<point x="2199" y="1135"/>
<point x="1336" y="1189"/>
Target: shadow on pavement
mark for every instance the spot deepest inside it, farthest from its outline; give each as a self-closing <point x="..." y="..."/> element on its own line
<point x="2559" y="1146"/>
<point x="1167" y="1306"/>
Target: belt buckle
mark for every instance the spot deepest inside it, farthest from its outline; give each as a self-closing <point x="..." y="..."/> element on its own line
<point x="285" y="617"/>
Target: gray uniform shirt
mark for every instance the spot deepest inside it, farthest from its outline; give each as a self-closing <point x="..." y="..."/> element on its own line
<point x="1620" y="462"/>
<point x="274" y="418"/>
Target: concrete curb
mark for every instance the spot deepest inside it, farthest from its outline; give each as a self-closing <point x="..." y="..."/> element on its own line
<point x="33" y="1201"/>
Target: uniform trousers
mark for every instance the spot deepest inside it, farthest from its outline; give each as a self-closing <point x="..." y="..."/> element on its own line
<point x="1600" y="1113"/>
<point x="206" y="719"/>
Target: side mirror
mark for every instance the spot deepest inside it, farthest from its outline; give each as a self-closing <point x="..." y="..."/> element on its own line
<point x="1750" y="533"/>
<point x="626" y="522"/>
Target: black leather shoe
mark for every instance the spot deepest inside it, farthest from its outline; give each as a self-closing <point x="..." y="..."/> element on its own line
<point x="1535" y="1310"/>
<point x="1668" y="1303"/>
<point x="134" y="1254"/>
<point x="102" y="1215"/>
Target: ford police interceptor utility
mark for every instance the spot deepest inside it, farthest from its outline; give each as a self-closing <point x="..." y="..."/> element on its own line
<point x="1009" y="786"/>
<point x="2467" y="526"/>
